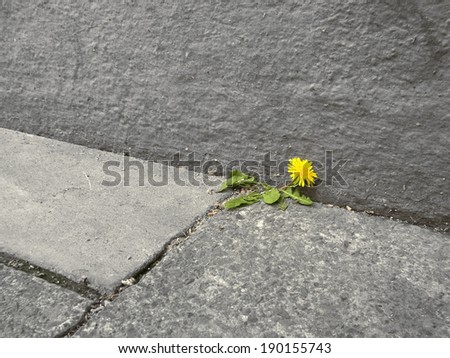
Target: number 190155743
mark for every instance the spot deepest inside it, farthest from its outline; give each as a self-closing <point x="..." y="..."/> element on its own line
<point x="296" y="348"/>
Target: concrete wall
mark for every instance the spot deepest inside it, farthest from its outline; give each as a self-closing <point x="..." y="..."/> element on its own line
<point x="368" y="80"/>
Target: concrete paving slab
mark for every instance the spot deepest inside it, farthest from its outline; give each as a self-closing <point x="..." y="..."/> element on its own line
<point x="307" y="272"/>
<point x="368" y="81"/>
<point x="56" y="211"/>
<point x="32" y="307"/>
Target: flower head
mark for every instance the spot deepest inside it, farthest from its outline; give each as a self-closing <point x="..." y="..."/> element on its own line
<point x="302" y="172"/>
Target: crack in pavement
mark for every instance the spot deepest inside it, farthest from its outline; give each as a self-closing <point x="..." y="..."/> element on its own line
<point x="80" y="288"/>
<point x="104" y="300"/>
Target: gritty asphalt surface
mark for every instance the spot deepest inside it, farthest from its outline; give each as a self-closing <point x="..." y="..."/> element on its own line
<point x="306" y="272"/>
<point x="32" y="307"/>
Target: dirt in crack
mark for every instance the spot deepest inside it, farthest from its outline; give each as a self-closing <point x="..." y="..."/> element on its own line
<point x="79" y="287"/>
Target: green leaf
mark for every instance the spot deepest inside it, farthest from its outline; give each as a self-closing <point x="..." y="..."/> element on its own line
<point x="223" y="186"/>
<point x="304" y="200"/>
<point x="283" y="203"/>
<point x="234" y="203"/>
<point x="244" y="182"/>
<point x="242" y="201"/>
<point x="238" y="174"/>
<point x="252" y="197"/>
<point x="271" y="195"/>
<point x="237" y="179"/>
<point x="299" y="198"/>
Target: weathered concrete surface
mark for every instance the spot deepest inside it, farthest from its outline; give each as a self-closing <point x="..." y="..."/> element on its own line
<point x="369" y="81"/>
<point x="308" y="272"/>
<point x="32" y="307"/>
<point x="56" y="213"/>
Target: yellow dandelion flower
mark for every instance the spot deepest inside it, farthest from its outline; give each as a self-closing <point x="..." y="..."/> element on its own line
<point x="302" y="172"/>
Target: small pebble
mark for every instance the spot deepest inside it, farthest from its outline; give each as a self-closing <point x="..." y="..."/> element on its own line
<point x="128" y="282"/>
<point x="97" y="309"/>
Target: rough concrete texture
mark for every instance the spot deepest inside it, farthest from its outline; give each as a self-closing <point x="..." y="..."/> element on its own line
<point x="368" y="81"/>
<point x="56" y="213"/>
<point x="307" y="272"/>
<point x="31" y="307"/>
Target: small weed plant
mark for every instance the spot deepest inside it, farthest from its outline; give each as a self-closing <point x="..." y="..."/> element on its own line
<point x="301" y="172"/>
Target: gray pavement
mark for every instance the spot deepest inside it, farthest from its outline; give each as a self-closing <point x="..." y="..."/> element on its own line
<point x="368" y="81"/>
<point x="32" y="307"/>
<point x="307" y="272"/>
<point x="199" y="271"/>
<point x="56" y="213"/>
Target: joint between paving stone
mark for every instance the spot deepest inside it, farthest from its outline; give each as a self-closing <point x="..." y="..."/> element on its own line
<point x="439" y="225"/>
<point x="177" y="240"/>
<point x="80" y="288"/>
